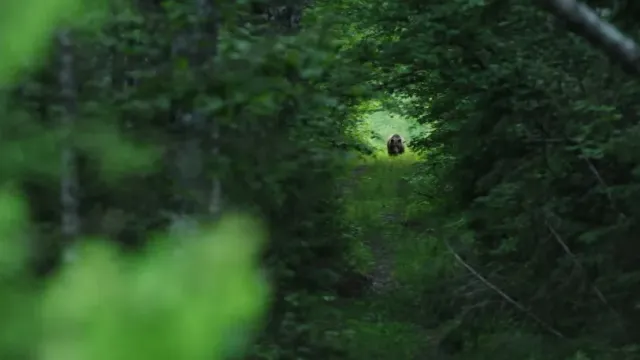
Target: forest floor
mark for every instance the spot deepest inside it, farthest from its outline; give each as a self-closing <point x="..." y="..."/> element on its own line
<point x="379" y="325"/>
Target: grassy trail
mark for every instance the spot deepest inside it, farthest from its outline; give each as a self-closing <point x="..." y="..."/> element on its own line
<point x="376" y="209"/>
<point x="391" y="253"/>
<point x="392" y="247"/>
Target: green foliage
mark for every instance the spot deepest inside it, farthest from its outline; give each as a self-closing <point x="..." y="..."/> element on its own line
<point x="17" y="302"/>
<point x="519" y="185"/>
<point x="528" y="175"/>
<point x="197" y="303"/>
<point x="276" y="126"/>
<point x="36" y="20"/>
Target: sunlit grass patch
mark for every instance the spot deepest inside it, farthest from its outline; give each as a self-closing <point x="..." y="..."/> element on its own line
<point x="375" y="190"/>
<point x="381" y="156"/>
<point x="383" y="124"/>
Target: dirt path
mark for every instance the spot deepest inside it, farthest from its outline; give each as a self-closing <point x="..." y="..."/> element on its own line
<point x="382" y="274"/>
<point x="383" y="249"/>
<point x="378" y="242"/>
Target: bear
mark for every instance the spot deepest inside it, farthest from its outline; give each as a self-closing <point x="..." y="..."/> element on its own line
<point x="395" y="145"/>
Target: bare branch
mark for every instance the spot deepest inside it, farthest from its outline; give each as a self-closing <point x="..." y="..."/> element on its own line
<point x="604" y="186"/>
<point x="577" y="263"/>
<point x="543" y="141"/>
<point x="502" y="293"/>
<point x="584" y="21"/>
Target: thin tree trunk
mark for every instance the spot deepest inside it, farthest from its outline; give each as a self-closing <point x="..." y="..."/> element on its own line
<point x="209" y="34"/>
<point x="215" y="201"/>
<point x="198" y="47"/>
<point x="69" y="183"/>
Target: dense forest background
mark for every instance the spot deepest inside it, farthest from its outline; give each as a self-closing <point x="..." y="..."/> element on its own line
<point x="209" y="180"/>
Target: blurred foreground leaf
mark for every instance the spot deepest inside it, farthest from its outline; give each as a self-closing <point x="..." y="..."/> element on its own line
<point x="25" y="29"/>
<point x="12" y="221"/>
<point x="168" y="304"/>
<point x="18" y="302"/>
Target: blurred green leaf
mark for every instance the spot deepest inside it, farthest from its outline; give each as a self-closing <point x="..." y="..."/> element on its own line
<point x="26" y="27"/>
<point x="189" y="303"/>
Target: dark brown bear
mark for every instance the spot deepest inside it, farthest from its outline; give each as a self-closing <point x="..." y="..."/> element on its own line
<point x="395" y="145"/>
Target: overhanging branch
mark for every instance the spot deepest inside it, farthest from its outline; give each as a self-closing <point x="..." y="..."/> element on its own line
<point x="584" y="21"/>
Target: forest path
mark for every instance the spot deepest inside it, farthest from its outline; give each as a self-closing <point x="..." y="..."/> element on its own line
<point x="375" y="206"/>
<point x="389" y="253"/>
